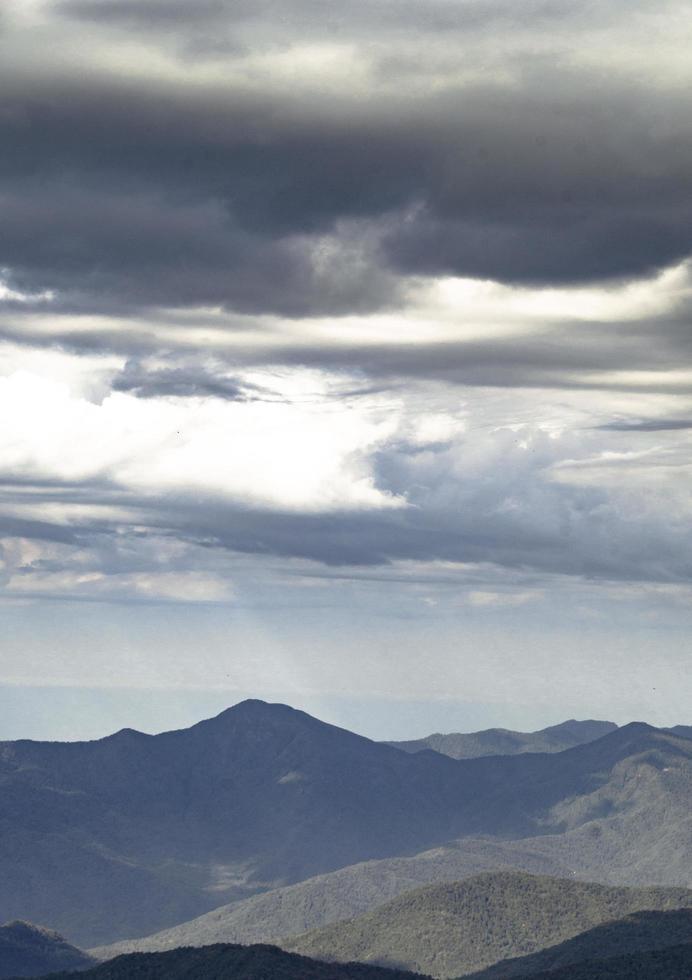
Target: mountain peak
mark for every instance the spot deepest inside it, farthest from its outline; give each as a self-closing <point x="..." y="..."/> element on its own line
<point x="20" y="927"/>
<point x="637" y="727"/>
<point x="128" y="733"/>
<point x="254" y="715"/>
<point x="255" y="708"/>
<point x="586" y="726"/>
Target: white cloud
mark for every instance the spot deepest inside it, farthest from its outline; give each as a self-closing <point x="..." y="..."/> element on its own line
<point x="512" y="598"/>
<point x="167" y="586"/>
<point x="304" y="452"/>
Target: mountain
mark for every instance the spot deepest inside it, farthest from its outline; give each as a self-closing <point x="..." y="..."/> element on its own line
<point x="134" y="833"/>
<point x="671" y="963"/>
<point x="452" y="929"/>
<point x="230" y="962"/>
<point x="338" y="895"/>
<point x="27" y="950"/>
<point x="502" y="741"/>
<point x="637" y="831"/>
<point x="636" y="933"/>
<point x="683" y="731"/>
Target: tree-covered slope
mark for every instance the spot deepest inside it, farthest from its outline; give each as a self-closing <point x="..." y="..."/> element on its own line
<point x="635" y="933"/>
<point x="451" y="929"/>
<point x="341" y="894"/>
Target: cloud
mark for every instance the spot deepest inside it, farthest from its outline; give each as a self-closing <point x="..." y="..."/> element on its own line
<point x="285" y="454"/>
<point x="356" y="289"/>
<point x="109" y="571"/>
<point x="522" y="482"/>
<point x="139" y="191"/>
<point x="154" y="15"/>
<point x="629" y="336"/>
<point x="647" y="425"/>
<point x="515" y="598"/>
<point x="188" y="381"/>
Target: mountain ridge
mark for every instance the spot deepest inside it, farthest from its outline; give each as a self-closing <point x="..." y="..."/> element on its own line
<point x="135" y="833"/>
<point x="230" y="962"/>
<point x="504" y="741"/>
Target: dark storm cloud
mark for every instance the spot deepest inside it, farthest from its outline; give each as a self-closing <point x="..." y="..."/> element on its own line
<point x="185" y="381"/>
<point x="107" y="251"/>
<point x="274" y="20"/>
<point x="535" y="248"/>
<point x="132" y="195"/>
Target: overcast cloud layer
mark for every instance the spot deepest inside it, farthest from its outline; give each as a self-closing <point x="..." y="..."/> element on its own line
<point x="379" y="308"/>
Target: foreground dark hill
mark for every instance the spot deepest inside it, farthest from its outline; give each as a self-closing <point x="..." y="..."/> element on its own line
<point x="230" y="963"/>
<point x="502" y="741"/>
<point x="672" y="963"/>
<point x="452" y="929"/>
<point x="636" y="933"/>
<point x="134" y="833"/>
<point x="27" y="950"/>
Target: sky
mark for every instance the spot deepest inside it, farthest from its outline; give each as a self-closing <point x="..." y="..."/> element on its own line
<point x="345" y="361"/>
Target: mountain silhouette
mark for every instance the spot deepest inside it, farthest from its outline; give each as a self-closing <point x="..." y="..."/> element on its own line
<point x="669" y="963"/>
<point x="230" y="962"/>
<point x="503" y="741"/>
<point x="27" y="950"/>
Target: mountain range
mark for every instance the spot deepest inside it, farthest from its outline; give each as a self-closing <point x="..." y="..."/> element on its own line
<point x="502" y="741"/>
<point x="134" y="833"/>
